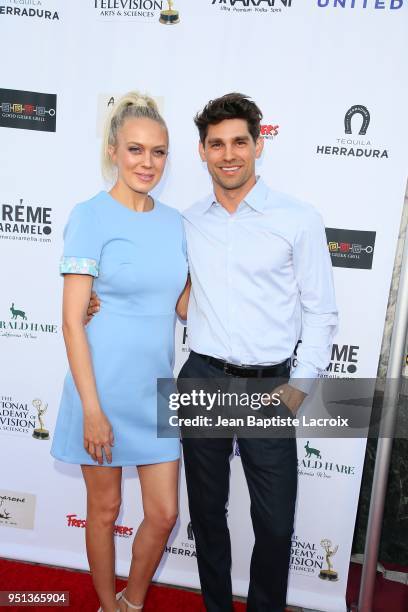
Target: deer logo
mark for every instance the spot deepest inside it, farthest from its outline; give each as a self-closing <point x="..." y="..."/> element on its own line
<point x="17" y="313"/>
<point x="312" y="451"/>
<point x="3" y="513"/>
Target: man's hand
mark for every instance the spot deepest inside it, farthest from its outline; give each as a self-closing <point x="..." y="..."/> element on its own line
<point x="93" y="307"/>
<point x="290" y="396"/>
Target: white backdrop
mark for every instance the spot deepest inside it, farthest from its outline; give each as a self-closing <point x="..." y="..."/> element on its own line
<point x="306" y="62"/>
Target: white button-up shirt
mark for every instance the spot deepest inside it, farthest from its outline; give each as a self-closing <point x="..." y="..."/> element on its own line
<point x="261" y="280"/>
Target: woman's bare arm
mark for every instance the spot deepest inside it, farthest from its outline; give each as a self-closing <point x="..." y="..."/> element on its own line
<point x="97" y="430"/>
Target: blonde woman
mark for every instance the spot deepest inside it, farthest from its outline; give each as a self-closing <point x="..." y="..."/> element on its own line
<point x="131" y="249"/>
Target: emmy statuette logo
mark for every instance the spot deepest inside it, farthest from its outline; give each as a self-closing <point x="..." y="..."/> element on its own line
<point x="171" y="16"/>
<point x="329" y="573"/>
<point x="40" y="433"/>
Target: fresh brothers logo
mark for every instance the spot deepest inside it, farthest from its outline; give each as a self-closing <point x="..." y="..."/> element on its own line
<point x="361" y="4"/>
<point x="351" y="248"/>
<point x="28" y="110"/>
<point x="120" y="531"/>
<point x="269" y="131"/>
<point x="354" y="147"/>
<point x="25" y="222"/>
<point x="21" y="326"/>
<point x="252" y="6"/>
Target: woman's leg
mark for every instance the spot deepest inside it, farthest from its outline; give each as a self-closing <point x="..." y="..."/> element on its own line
<point x="159" y="484"/>
<point x="103" y="485"/>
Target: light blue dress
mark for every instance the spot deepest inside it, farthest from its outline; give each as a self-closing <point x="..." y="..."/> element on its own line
<point x="140" y="268"/>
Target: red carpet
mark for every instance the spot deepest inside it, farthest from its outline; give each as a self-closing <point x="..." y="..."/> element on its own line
<point x="389" y="596"/>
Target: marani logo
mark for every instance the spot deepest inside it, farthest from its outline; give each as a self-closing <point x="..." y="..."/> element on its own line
<point x="253" y="6"/>
<point x="354" y="147"/>
<point x="20" y="325"/>
<point x="25" y="222"/>
<point x="351" y="248"/>
<point x="28" y="110"/>
<point x="361" y="4"/>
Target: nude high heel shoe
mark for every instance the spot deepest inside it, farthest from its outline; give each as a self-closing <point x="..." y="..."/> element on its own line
<point x="118" y="596"/>
<point x="129" y="605"/>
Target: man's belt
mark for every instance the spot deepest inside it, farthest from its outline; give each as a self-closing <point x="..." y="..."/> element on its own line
<point x="280" y="369"/>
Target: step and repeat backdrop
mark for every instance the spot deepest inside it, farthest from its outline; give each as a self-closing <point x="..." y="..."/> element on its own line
<point x="332" y="75"/>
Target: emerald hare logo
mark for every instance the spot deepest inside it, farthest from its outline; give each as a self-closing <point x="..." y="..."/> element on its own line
<point x="315" y="464"/>
<point x="20" y="325"/>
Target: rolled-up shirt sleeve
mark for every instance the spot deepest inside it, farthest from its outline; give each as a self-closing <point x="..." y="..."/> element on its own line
<point x="314" y="276"/>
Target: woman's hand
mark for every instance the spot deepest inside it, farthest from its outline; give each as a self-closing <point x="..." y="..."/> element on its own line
<point x="182" y="302"/>
<point x="98" y="436"/>
<point x="94" y="306"/>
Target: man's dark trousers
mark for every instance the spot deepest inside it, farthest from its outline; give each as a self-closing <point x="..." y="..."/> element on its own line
<point x="270" y="467"/>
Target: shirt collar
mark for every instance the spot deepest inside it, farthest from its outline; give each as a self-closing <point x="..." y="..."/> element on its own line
<point x="256" y="198"/>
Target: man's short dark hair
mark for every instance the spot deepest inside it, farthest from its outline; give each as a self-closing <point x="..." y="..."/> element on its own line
<point x="230" y="106"/>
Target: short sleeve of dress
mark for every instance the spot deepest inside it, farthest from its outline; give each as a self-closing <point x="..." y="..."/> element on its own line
<point x="82" y="242"/>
